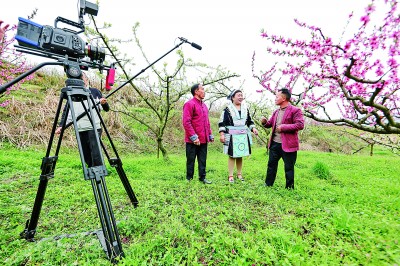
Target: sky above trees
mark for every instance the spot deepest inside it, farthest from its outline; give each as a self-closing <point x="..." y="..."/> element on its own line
<point x="229" y="32"/>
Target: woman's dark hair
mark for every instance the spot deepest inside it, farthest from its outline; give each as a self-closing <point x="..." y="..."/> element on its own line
<point x="286" y="92"/>
<point x="233" y="94"/>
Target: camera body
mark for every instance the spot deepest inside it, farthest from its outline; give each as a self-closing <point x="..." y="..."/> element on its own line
<point x="55" y="40"/>
<point x="59" y="41"/>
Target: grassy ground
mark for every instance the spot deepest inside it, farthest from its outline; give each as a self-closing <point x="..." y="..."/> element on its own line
<point x="344" y="210"/>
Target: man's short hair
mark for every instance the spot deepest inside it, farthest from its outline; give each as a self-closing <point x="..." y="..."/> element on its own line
<point x="194" y="88"/>
<point x="286" y="92"/>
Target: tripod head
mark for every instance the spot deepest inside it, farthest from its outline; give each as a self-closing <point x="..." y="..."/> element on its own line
<point x="76" y="78"/>
<point x="70" y="82"/>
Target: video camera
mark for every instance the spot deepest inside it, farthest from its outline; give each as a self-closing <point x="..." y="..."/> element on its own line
<point x="63" y="45"/>
<point x="60" y="41"/>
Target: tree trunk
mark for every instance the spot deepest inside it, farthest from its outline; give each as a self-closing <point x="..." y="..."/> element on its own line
<point x="162" y="149"/>
<point x="371" y="151"/>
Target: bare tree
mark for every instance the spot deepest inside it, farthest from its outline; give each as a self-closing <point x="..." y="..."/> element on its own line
<point x="158" y="96"/>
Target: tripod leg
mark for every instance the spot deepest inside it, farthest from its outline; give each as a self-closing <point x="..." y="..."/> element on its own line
<point x="112" y="241"/>
<point x="96" y="174"/>
<point x="116" y="162"/>
<point x="47" y="167"/>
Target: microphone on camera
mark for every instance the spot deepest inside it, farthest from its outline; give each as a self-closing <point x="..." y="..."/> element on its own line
<point x="195" y="45"/>
<point x="110" y="77"/>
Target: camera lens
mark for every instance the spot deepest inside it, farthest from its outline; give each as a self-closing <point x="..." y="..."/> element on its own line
<point x="95" y="53"/>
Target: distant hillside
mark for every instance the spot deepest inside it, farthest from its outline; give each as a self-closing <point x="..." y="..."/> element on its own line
<point x="27" y="121"/>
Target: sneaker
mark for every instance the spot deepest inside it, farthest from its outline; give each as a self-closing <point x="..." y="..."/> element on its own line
<point x="205" y="181"/>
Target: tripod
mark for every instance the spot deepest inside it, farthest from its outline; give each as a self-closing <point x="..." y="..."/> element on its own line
<point x="75" y="92"/>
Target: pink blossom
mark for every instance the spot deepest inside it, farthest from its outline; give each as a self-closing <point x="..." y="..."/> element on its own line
<point x="8" y="54"/>
<point x="5" y="103"/>
<point x="379" y="72"/>
<point x="392" y="62"/>
<point x="370" y="8"/>
<point x="393" y="51"/>
<point x="365" y="19"/>
<point x="347" y="46"/>
<point x="374" y="41"/>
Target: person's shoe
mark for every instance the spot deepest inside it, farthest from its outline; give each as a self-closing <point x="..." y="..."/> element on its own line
<point x="230" y="179"/>
<point x="240" y="177"/>
<point x="205" y="181"/>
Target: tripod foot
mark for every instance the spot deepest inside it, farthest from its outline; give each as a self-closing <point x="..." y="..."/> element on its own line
<point x="116" y="253"/>
<point x="28" y="234"/>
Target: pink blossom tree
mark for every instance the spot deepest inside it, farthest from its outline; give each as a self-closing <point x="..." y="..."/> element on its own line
<point x="12" y="64"/>
<point x="353" y="82"/>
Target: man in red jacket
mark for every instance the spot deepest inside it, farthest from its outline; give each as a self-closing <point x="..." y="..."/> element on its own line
<point x="197" y="133"/>
<point x="284" y="141"/>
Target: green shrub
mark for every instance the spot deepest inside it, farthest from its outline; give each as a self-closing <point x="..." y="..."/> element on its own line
<point x="321" y="170"/>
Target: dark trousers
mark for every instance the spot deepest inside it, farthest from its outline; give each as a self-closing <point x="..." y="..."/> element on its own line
<point x="91" y="151"/>
<point x="193" y="151"/>
<point x="289" y="159"/>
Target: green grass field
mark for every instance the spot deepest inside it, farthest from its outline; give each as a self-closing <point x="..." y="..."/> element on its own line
<point x="344" y="210"/>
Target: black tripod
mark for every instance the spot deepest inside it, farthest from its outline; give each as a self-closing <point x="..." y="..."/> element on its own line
<point x="75" y="92"/>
